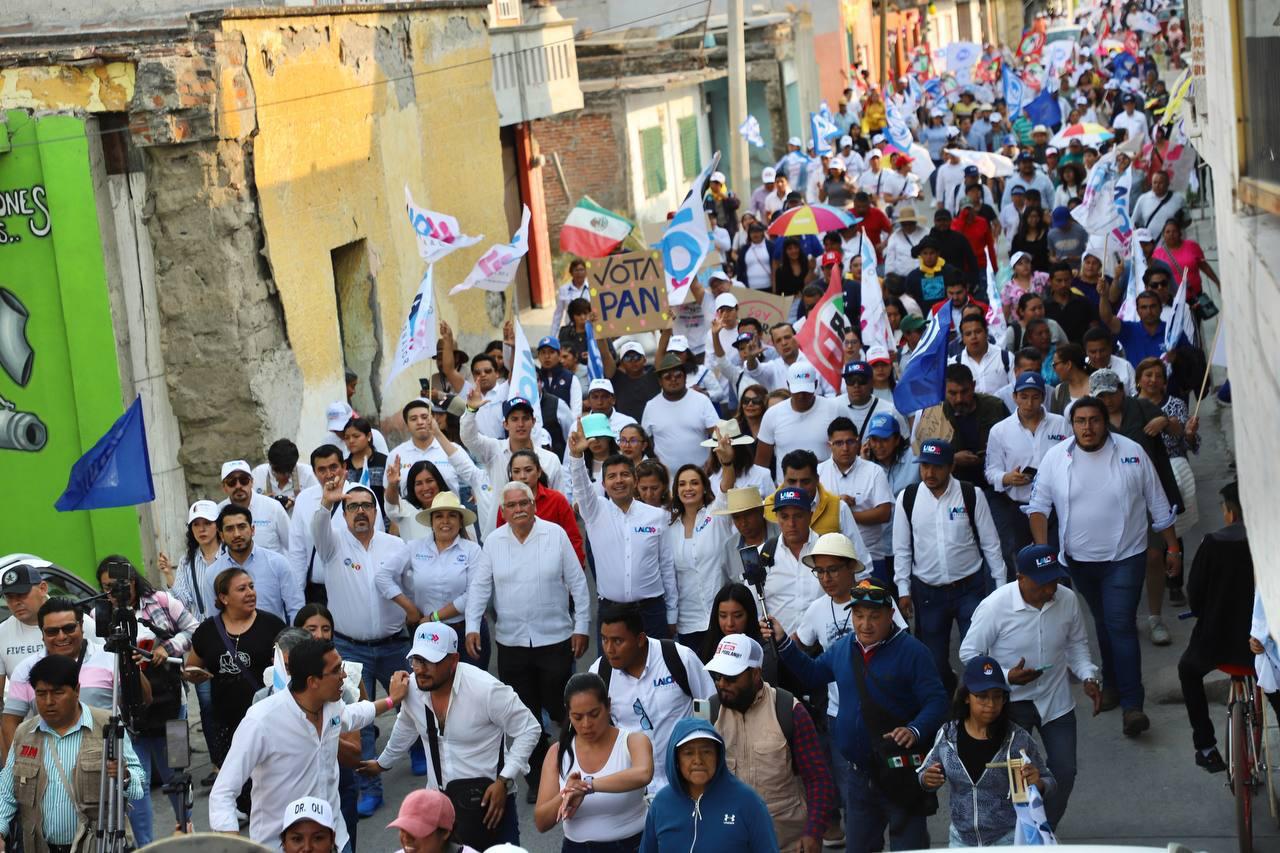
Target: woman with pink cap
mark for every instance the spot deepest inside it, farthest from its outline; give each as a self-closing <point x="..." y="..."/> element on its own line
<point x="425" y="823"/>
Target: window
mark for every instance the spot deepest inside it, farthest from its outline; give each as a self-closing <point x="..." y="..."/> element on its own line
<point x="690" y="156"/>
<point x="653" y="161"/>
<point x="1259" y="53"/>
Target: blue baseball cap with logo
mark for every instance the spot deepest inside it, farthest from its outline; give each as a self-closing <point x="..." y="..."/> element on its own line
<point x="984" y="673"/>
<point x="935" y="451"/>
<point x="1029" y="379"/>
<point x="516" y="403"/>
<point x="1040" y="564"/>
<point x="791" y="496"/>
<point x="857" y="368"/>
<point x="882" y="425"/>
<point x="549" y="341"/>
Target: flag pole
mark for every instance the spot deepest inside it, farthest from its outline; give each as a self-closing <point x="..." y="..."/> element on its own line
<point x="1208" y="368"/>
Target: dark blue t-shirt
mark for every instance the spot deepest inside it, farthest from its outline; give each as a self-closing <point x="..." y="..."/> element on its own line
<point x="1138" y="344"/>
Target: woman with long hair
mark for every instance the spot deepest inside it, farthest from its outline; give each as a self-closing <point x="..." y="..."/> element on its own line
<point x="634" y="443"/>
<point x="425" y="482"/>
<point x="698" y="541"/>
<point x="737" y="454"/>
<point x="754" y="267"/>
<point x="1073" y="378"/>
<point x="593" y="779"/>
<point x="734" y="611"/>
<point x="1032" y="237"/>
<point x="793" y="268"/>
<point x="189" y="580"/>
<point x="1071" y="187"/>
<point x="752" y="403"/>
<point x="980" y="733"/>
<point x="1184" y="256"/>
<point x="548" y="504"/>
<point x="653" y="483"/>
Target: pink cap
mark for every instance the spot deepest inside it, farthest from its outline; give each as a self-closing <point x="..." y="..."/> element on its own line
<point x="423" y="812"/>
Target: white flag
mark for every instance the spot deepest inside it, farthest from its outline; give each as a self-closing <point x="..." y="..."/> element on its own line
<point x="686" y="243"/>
<point x="524" y="373"/>
<point x="960" y="57"/>
<point x="438" y="233"/>
<point x="1180" y="324"/>
<point x="750" y="131"/>
<point x="1137" y="272"/>
<point x="497" y="267"/>
<point x="995" y="313"/>
<point x="418" y="337"/>
<point x="875" y="322"/>
<point x="1143" y="22"/>
<point x="1031" y="827"/>
<point x="1097" y="209"/>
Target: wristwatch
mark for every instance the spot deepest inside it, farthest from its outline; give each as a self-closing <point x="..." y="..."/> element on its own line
<point x="510" y="783"/>
<point x="591" y="783"/>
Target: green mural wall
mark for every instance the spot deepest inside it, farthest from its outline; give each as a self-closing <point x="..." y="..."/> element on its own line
<point x="59" y="379"/>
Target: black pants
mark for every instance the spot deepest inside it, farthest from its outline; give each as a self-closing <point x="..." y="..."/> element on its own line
<point x="538" y="675"/>
<point x="1193" y="666"/>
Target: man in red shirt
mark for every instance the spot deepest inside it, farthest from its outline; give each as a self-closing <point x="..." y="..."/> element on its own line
<point x="874" y="223"/>
<point x="975" y="228"/>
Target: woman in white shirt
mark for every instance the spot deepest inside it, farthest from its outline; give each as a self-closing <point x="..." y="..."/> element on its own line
<point x="739" y="455"/>
<point x="596" y="758"/>
<point x="698" y="541"/>
<point x="755" y="261"/>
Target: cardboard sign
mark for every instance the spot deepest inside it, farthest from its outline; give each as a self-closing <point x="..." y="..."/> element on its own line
<point x="629" y="294"/>
<point x="763" y="306"/>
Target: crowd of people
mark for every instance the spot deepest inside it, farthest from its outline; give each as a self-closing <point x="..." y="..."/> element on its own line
<point x="772" y="565"/>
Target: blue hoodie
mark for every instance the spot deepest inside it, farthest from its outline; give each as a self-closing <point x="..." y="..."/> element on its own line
<point x="728" y="816"/>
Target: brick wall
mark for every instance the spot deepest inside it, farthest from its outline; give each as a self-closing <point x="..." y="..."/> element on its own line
<point x="591" y="154"/>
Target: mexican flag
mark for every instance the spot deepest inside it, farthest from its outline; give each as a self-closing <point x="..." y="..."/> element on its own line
<point x="591" y="231"/>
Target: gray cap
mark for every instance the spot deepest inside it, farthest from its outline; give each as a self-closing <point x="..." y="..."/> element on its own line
<point x="1104" y="381"/>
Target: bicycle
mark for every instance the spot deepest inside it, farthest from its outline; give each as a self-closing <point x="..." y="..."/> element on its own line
<point x="1248" y="754"/>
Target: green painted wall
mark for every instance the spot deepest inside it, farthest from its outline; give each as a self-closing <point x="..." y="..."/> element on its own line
<point x="51" y="263"/>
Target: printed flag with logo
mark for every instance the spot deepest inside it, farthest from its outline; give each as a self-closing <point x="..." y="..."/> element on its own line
<point x="822" y="338"/>
<point x="750" y="131"/>
<point x="418" y="337"/>
<point x="524" y="373"/>
<point x="591" y="231"/>
<point x="116" y="471"/>
<point x="875" y="327"/>
<point x="685" y="243"/>
<point x="438" y="233"/>
<point x="923" y="379"/>
<point x="497" y="267"/>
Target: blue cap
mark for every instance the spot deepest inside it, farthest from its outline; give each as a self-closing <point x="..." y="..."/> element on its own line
<point x="743" y="338"/>
<point x="1018" y="189"/>
<point x="516" y="403"/>
<point x="1010" y="139"/>
<point x="983" y="673"/>
<point x="1040" y="564"/>
<point x="1024" y="157"/>
<point x="935" y="451"/>
<point x="549" y="341"/>
<point x="857" y="368"/>
<point x="791" y="496"/>
<point x="882" y="425"/>
<point x="1029" y="379"/>
<point x="1061" y="217"/>
<point x="971" y="171"/>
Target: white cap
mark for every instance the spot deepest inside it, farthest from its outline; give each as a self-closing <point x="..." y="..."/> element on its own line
<point x="846" y="140"/>
<point x="802" y="378"/>
<point x="307" y="808"/>
<point x="937" y="112"/>
<point x="349" y="487"/>
<point x="716" y="177"/>
<point x="985" y="108"/>
<point x="877" y="139"/>
<point x="1142" y="235"/>
<point x="1050" y="150"/>
<point x="795" y="140"/>
<point x="726" y="300"/>
<point x="997" y="117"/>
<point x="229" y="468"/>
<point x="719" y="275"/>
<point x="630" y="346"/>
<point x="433" y="641"/>
<point x="678" y="343"/>
<point x="601" y="384"/>
<point x="877" y="353"/>
<point x="952" y="131"/>
<point x="735" y="654"/>
<point x="208" y="510"/>
<point x="768" y="175"/>
<point x="336" y="415"/>
<point x="876" y="153"/>
<point x="836" y="163"/>
<point x="1081" y="99"/>
<point x="1039" y="128"/>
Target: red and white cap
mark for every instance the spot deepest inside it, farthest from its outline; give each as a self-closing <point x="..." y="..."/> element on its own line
<point x="735" y="655"/>
<point x="434" y="641"/>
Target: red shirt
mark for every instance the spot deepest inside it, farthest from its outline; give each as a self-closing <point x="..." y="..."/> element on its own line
<point x="875" y="225"/>
<point x="978" y="232"/>
<point x="550" y="505"/>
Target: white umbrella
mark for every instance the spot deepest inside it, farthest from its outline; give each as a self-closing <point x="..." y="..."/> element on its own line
<point x="989" y="164"/>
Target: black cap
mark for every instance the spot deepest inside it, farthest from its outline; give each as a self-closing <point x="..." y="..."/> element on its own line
<point x="19" y="579"/>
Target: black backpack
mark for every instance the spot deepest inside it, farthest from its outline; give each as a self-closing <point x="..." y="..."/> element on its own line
<point x="670" y="656"/>
<point x="968" y="494"/>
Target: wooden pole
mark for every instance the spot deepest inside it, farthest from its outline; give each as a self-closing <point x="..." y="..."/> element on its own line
<point x="1208" y="368"/>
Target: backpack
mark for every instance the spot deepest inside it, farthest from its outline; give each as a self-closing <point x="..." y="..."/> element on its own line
<point x="670" y="656"/>
<point x="968" y="494"/>
<point x="784" y="705"/>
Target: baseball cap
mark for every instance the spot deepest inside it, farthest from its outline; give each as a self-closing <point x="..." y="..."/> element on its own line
<point x="952" y="132"/>
<point x="20" y="579"/>
<point x="971" y="171"/>
<point x="423" y="812"/>
<point x="1051" y="151"/>
<point x="985" y="108"/>
<point x="1061" y="217"/>
<point x="1029" y="379"/>
<point x="836" y="162"/>
<point x="1040" y="563"/>
<point x="735" y="654"/>
<point x="856" y="368"/>
<point x="597" y="425"/>
<point x="935" y="451"/>
<point x="829" y="258"/>
<point x="846" y="140"/>
<point x="433" y="641"/>
<point x="795" y="140"/>
<point x="719" y="275"/>
<point x="229" y="468"/>
<point x="336" y="416"/>
<point x="678" y="343"/>
<point x="549" y="341"/>
<point x="307" y="808"/>
<point x="726" y="300"/>
<point x="630" y="348"/>
<point x="802" y="379"/>
<point x="877" y="354"/>
<point x="1018" y="189"/>
<point x="937" y="112"/>
<point x="833" y="545"/>
<point x="791" y="496"/>
<point x="208" y="510"/>
<point x="875" y="154"/>
<point x="1143" y="235"/>
<point x="982" y="674"/>
<point x="716" y="178"/>
<point x="882" y="425"/>
<point x="1039" y="128"/>
<point x="1104" y="381"/>
<point x="1024" y="157"/>
<point x="515" y="403"/>
<point x="1009" y="139"/>
<point x="911" y="323"/>
<point x="870" y="592"/>
<point x="768" y="175"/>
<point x="703" y="732"/>
<point x="349" y="487"/>
<point x="600" y="385"/>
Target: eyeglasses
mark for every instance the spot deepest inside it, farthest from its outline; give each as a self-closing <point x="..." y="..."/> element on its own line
<point x="843" y="442"/>
<point x="359" y="505"/>
<point x="55" y="630"/>
<point x="829" y="572"/>
<point x="631" y="441"/>
<point x="238" y="480"/>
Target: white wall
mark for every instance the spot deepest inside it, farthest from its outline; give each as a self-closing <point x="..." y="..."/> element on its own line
<point x="663" y="109"/>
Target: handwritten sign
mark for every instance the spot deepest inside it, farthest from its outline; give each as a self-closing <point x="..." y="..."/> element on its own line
<point x="766" y="307"/>
<point x="629" y="294"/>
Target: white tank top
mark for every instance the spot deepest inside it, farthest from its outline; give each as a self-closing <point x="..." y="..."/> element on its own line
<point x="607" y="817"/>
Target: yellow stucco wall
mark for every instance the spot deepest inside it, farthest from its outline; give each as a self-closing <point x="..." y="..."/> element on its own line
<point x="91" y="88"/>
<point x="336" y="143"/>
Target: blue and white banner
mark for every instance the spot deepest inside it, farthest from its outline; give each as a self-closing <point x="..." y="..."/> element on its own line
<point x="595" y="363"/>
<point x="686" y="243"/>
<point x="418" y="337"/>
<point x="960" y="57"/>
<point x="496" y="268"/>
<point x="1015" y="91"/>
<point x="750" y="131"/>
<point x="524" y="373"/>
<point x="1181" y="329"/>
<point x="823" y="129"/>
<point x="438" y="233"/>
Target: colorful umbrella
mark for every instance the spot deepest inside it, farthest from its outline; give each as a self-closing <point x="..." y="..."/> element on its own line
<point x="811" y="219"/>
<point x="1088" y="133"/>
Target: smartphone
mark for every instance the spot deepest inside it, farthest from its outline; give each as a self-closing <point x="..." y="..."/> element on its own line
<point x="177" y="744"/>
<point x="702" y="709"/>
<point x="1044" y="668"/>
<point x="1030" y="472"/>
<point x="424" y="387"/>
<point x="752" y="569"/>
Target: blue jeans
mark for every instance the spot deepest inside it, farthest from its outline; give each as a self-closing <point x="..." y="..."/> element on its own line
<point x="936" y="607"/>
<point x="838" y="763"/>
<point x="882" y="571"/>
<point x="348" y="797"/>
<point x="1059" y="738"/>
<point x="151" y="755"/>
<point x="204" y="698"/>
<point x="1013" y="526"/>
<point x="867" y="813"/>
<point x="622" y="845"/>
<point x="1112" y="590"/>
<point x="379" y="663"/>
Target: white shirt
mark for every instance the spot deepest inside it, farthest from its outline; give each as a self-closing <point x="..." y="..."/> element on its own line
<point x="17" y="643"/>
<point x="757" y="477"/>
<point x="495" y="455"/>
<point x="897" y="252"/>
<point x="823" y="623"/>
<point x="992" y="372"/>
<point x="436" y="577"/>
<point x="265" y="483"/>
<point x="868" y="485"/>
<point x="277" y="747"/>
<point x="944" y="549"/>
<point x="700" y="566"/>
<point x="679" y="427"/>
<point x="408" y="453"/>
<point x="270" y="523"/>
<point x="1102" y="499"/>
<point x="632" y="554"/>
<point x="305" y="568"/>
<point x="788" y="430"/>
<point x="1011" y="445"/>
<point x="1135" y="125"/>
<point x="692" y="319"/>
<point x="1153" y="213"/>
<point x="759" y="265"/>
<point x="482" y="714"/>
<point x="564" y="295"/>
<point x="531" y="583"/>
<point x="654" y="703"/>
<point x="861" y="414"/>
<point x="349" y="572"/>
<point x="950" y="177"/>
<point x="1008" y="629"/>
<point x="789" y="585"/>
<point x="617" y="420"/>
<point x="1125" y="373"/>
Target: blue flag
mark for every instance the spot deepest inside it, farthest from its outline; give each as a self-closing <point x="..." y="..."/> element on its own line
<point x="1044" y="109"/>
<point x="923" y="382"/>
<point x="595" y="364"/>
<point x="1015" y="91"/>
<point x="116" y="471"/>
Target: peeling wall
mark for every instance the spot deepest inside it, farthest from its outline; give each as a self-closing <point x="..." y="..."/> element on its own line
<point x="107" y="87"/>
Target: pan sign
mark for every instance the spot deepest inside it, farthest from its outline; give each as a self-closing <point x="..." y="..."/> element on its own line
<point x="628" y="293"/>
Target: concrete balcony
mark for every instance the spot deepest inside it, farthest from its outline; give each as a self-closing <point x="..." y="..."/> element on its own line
<point x="535" y="67"/>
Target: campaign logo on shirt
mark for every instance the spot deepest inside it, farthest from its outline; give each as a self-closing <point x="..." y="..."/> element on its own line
<point x="1129" y="460"/>
<point x="1053" y="436"/>
<point x="335" y="721"/>
<point x="648" y="528"/>
<point x="350" y="564"/>
<point x="662" y="682"/>
<point x="956" y="512"/>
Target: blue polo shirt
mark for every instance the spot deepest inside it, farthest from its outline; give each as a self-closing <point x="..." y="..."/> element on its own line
<point x="1138" y="344"/>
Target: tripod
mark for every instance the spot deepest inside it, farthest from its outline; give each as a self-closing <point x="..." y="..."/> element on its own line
<point x="109" y="834"/>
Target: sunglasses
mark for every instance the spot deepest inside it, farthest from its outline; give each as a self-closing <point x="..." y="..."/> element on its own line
<point x="752" y="401"/>
<point x="870" y="595"/>
<point x="55" y="630"/>
<point x="238" y="480"/>
<point x="857" y="380"/>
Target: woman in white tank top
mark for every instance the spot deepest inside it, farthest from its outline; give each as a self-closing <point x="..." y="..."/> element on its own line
<point x="594" y="779"/>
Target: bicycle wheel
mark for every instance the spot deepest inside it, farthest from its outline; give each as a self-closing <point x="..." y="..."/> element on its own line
<point x="1241" y="772"/>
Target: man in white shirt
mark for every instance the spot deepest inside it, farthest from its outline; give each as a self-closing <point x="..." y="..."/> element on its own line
<point x="990" y="365"/>
<point x="1015" y="447"/>
<point x="789" y="586"/>
<point x="1035" y="629"/>
<point x="270" y="518"/>
<point x="25" y="589"/>
<point x="531" y="574"/>
<point x="288" y="744"/>
<point x="577" y="287"/>
<point x="652" y="683"/>
<point x="726" y="311"/>
<point x="942" y="536"/>
<point x="282" y="476"/>
<point x="862" y="485"/>
<point x="421" y="445"/>
<point x="367" y="628"/>
<point x="1155" y="207"/>
<point x="468" y="718"/>
<point x="633" y="558"/>
<point x="601" y="399"/>
<point x="800" y="422"/>
<point x="278" y="589"/>
<point x="773" y="374"/>
<point x="494" y="454"/>
<point x="1103" y="487"/>
<point x="677" y="420"/>
<point x="1131" y="121"/>
<point x="897" y="251"/>
<point x="1099" y="350"/>
<point x="1028" y="177"/>
<point x="860" y="405"/>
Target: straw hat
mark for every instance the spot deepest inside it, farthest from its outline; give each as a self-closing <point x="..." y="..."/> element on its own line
<point x="731" y="430"/>
<point x="740" y="500"/>
<point x="446" y="502"/>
